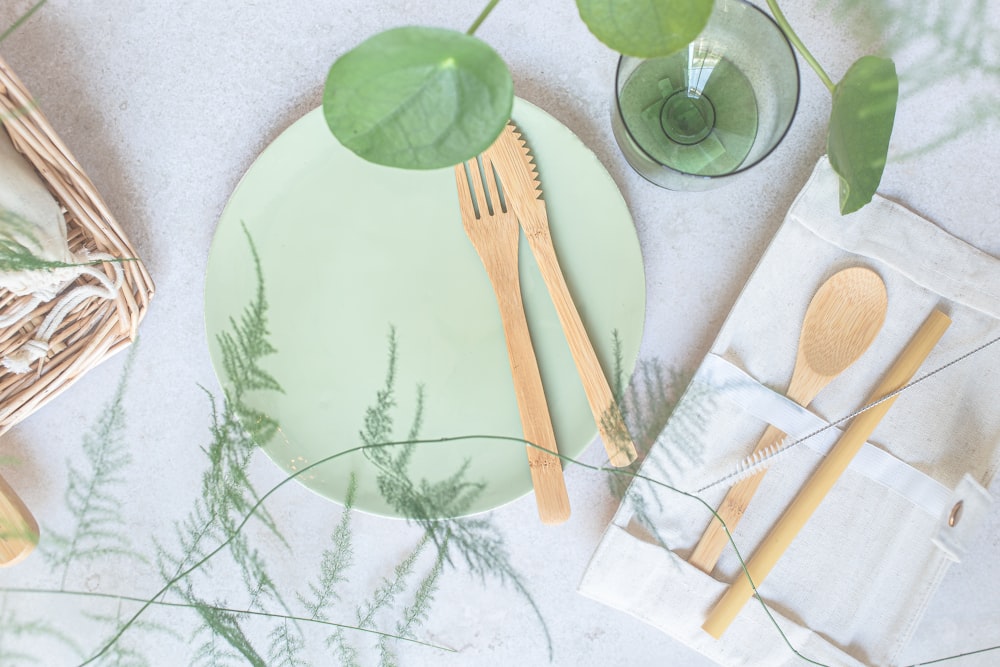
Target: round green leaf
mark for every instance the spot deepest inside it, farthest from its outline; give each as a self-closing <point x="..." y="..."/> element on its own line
<point x="418" y="98"/>
<point x="645" y="28"/>
<point x="864" y="108"/>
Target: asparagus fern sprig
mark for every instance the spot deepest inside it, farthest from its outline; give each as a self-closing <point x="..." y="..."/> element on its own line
<point x="94" y="494"/>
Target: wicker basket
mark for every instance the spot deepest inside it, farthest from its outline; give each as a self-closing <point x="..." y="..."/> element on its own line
<point x="95" y="329"/>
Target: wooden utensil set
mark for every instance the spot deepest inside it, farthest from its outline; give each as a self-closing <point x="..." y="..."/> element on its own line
<point x="499" y="194"/>
<point x="841" y="322"/>
<point x="826" y="475"/>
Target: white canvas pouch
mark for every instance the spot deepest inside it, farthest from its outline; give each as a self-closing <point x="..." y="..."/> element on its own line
<point x="31" y="220"/>
<point x="852" y="587"/>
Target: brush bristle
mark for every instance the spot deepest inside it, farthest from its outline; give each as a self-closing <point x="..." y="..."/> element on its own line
<point x="755" y="463"/>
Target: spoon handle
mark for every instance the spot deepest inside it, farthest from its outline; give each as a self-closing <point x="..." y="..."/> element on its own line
<point x="804" y="387"/>
<point x="734" y="505"/>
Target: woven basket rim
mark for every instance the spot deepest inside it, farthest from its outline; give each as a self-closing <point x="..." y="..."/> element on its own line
<point x="97" y="328"/>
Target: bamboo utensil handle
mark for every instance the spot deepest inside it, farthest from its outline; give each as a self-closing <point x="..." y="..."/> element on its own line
<point x="825" y="476"/>
<point x="546" y="468"/>
<point x="608" y="417"/>
<point x="715" y="538"/>
<point x="18" y="528"/>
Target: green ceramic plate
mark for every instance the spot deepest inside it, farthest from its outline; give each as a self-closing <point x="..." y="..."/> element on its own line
<point x="351" y="252"/>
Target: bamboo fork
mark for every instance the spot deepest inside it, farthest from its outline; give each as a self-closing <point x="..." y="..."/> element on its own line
<point x="522" y="188"/>
<point x="494" y="233"/>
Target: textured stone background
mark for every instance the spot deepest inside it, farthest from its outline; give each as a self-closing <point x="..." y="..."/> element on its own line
<point x="167" y="104"/>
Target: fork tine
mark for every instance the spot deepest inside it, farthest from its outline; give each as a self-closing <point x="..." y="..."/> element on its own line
<point x="492" y="185"/>
<point x="499" y="196"/>
<point x="466" y="193"/>
<point x="491" y="200"/>
<point x="478" y="188"/>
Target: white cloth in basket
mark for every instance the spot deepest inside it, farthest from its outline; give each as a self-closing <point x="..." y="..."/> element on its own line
<point x="31" y="218"/>
<point x="855" y="582"/>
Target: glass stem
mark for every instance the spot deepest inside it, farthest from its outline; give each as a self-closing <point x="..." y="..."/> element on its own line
<point x="482" y="17"/>
<point x="799" y="46"/>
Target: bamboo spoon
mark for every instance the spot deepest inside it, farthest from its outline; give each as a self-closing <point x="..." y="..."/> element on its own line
<point x="18" y="528"/>
<point x="826" y="475"/>
<point x="841" y="321"/>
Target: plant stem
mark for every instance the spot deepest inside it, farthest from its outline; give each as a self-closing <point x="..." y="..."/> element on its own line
<point x="246" y="612"/>
<point x="6" y="33"/>
<point x="799" y="46"/>
<point x="482" y="17"/>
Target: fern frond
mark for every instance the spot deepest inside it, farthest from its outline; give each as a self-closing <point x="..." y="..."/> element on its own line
<point x="473" y="541"/>
<point x="335" y="561"/>
<point x="481" y="547"/>
<point x="225" y="625"/>
<point x="346" y="654"/>
<point x="227" y="493"/>
<point x="15" y="257"/>
<point x="190" y="534"/>
<point x="123" y="653"/>
<point x="240" y="352"/>
<point x="286" y="647"/>
<point x="226" y="487"/>
<point x="402" y="460"/>
<point x="618" y="371"/>
<point x="385" y="595"/>
<point x="378" y="423"/>
<point x="418" y="612"/>
<point x="248" y="342"/>
<point x="260" y="427"/>
<point x="648" y="404"/>
<point x="213" y="650"/>
<point x="92" y="498"/>
<point x="18" y="636"/>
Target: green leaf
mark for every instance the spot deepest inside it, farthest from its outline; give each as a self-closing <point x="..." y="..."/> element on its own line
<point x="645" y="28"/>
<point x="418" y="98"/>
<point x="864" y="107"/>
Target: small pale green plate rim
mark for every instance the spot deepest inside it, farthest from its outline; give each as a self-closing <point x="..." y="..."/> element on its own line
<point x="351" y="250"/>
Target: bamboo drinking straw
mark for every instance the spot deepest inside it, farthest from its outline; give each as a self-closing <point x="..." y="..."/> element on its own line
<point x="825" y="476"/>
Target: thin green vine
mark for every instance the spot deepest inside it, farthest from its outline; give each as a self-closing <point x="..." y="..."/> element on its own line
<point x="482" y="17"/>
<point x="24" y="17"/>
<point x="245" y="612"/>
<point x="146" y="604"/>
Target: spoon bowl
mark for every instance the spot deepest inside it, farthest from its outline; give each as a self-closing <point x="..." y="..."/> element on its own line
<point x="842" y="320"/>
